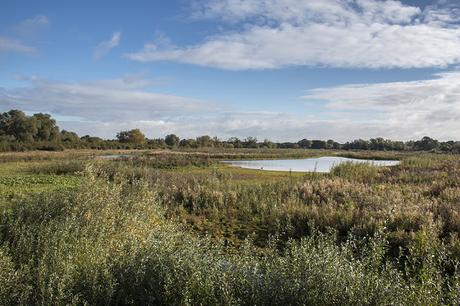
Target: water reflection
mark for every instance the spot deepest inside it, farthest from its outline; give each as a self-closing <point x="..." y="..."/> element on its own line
<point x="320" y="164"/>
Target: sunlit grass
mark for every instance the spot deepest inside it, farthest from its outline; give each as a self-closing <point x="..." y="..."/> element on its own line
<point x="179" y="229"/>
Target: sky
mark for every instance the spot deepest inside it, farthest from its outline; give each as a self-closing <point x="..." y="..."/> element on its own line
<point x="277" y="69"/>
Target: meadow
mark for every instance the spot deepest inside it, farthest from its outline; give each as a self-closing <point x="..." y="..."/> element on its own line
<point x="180" y="228"/>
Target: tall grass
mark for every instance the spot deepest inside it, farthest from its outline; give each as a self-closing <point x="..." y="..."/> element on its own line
<point x="109" y="243"/>
<point x="136" y="231"/>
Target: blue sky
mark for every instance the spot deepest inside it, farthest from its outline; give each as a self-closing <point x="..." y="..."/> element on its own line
<point x="277" y="69"/>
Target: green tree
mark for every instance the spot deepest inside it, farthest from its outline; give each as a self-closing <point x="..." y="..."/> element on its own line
<point x="304" y="143"/>
<point x="69" y="137"/>
<point x="188" y="143"/>
<point x="268" y="144"/>
<point x="318" y="144"/>
<point x="204" y="141"/>
<point x="250" y="142"/>
<point x="18" y="125"/>
<point x="236" y="142"/>
<point x="47" y="130"/>
<point x="172" y="140"/>
<point x="426" y="144"/>
<point x="132" y="136"/>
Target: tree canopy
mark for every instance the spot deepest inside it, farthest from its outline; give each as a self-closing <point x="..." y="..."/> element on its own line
<point x="134" y="136"/>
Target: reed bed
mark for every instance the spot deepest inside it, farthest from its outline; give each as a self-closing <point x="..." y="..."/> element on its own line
<point x="180" y="229"/>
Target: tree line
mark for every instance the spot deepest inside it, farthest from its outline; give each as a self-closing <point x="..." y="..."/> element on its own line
<point x="20" y="132"/>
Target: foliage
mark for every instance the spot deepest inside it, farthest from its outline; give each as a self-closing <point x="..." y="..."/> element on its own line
<point x="172" y="140"/>
<point x="132" y="136"/>
<point x="109" y="242"/>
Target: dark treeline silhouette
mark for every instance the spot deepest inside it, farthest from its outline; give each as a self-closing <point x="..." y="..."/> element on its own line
<point x="19" y="132"/>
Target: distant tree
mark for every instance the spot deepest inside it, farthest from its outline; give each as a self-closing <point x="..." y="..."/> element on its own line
<point x="456" y="147"/>
<point x="336" y="145"/>
<point x="172" y="140"/>
<point x="47" y="130"/>
<point x="330" y="144"/>
<point x="399" y="146"/>
<point x="236" y="142"/>
<point x="288" y="145"/>
<point x="157" y="143"/>
<point x="250" y="142"/>
<point x="304" y="143"/>
<point x="69" y="137"/>
<point x="426" y="144"/>
<point x="93" y="139"/>
<point x="357" y="144"/>
<point x="123" y="136"/>
<point x="380" y="144"/>
<point x="204" y="141"/>
<point x="318" y="144"/>
<point x="447" y="146"/>
<point x="134" y="136"/>
<point x="188" y="143"/>
<point x="216" y="142"/>
<point x="17" y="125"/>
<point x="268" y="144"/>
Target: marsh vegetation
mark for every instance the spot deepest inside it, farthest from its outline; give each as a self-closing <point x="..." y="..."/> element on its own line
<point x="180" y="228"/>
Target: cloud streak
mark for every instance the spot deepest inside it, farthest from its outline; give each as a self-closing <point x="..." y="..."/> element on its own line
<point x="29" y="27"/>
<point x="25" y="30"/>
<point x="104" y="47"/>
<point x="114" y="100"/>
<point x="9" y="45"/>
<point x="272" y="34"/>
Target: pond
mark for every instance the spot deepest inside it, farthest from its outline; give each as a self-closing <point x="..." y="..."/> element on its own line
<point x="320" y="164"/>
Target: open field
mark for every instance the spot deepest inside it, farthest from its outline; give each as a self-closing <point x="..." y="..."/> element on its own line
<point x="180" y="228"/>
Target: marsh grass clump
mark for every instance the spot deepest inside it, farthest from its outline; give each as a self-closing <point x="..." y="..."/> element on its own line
<point x="11" y="286"/>
<point x="169" y="160"/>
<point x="57" y="167"/>
<point x="356" y="171"/>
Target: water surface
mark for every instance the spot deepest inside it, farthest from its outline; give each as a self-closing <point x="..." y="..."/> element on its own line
<point x="319" y="164"/>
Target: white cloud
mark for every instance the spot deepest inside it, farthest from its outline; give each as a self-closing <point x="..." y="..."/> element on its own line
<point x="354" y="33"/>
<point x="9" y="45"/>
<point x="25" y="30"/>
<point x="117" y="100"/>
<point x="39" y="20"/>
<point x="30" y="26"/>
<point x="402" y="109"/>
<point x="397" y="110"/>
<point x="104" y="47"/>
<point x="105" y="107"/>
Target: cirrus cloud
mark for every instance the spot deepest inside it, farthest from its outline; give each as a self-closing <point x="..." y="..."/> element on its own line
<point x="9" y="45"/>
<point x="104" y="47"/>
